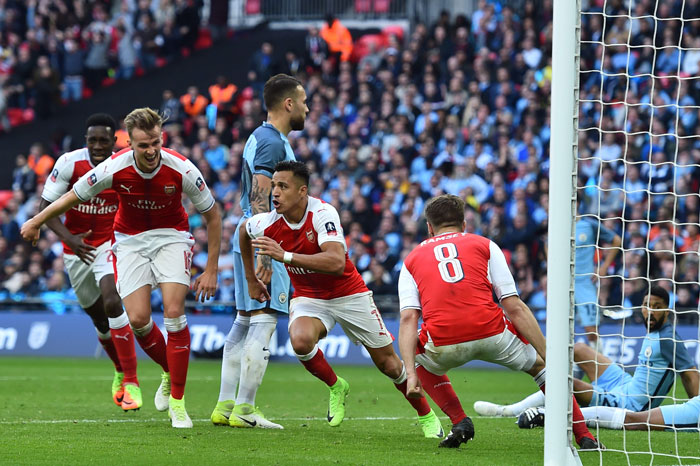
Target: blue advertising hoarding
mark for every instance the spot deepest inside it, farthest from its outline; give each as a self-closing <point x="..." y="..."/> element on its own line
<point x="44" y="334"/>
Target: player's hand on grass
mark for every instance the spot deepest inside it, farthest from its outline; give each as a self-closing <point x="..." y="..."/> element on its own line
<point x="205" y="286"/>
<point x="413" y="386"/>
<point x="30" y="231"/>
<point x="84" y="251"/>
<point x="258" y="290"/>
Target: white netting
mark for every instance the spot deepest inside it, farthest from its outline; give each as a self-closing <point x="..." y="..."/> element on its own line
<point x="638" y="173"/>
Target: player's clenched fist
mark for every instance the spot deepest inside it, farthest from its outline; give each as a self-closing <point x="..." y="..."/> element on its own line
<point x="257" y="290"/>
<point x="30" y="231"/>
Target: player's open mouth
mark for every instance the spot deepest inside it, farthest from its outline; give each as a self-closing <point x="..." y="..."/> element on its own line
<point x="275" y="203"/>
<point x="150" y="158"/>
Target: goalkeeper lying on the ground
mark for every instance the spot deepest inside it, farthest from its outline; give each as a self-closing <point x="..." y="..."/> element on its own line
<point x="661" y="356"/>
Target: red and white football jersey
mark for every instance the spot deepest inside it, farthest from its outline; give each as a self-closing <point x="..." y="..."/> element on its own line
<point x="148" y="201"/>
<point x="319" y="225"/>
<point x="97" y="214"/>
<point x="451" y="278"/>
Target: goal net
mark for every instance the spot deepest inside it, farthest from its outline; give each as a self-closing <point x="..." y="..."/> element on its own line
<point x="625" y="166"/>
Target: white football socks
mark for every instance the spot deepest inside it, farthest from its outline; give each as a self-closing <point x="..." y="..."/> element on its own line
<point x="533" y="401"/>
<point x="231" y="361"/>
<point x="256" y="355"/>
<point x="604" y="416"/>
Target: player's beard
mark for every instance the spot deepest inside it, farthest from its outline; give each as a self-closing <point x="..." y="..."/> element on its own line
<point x="297" y="123"/>
<point x="654" y="325"/>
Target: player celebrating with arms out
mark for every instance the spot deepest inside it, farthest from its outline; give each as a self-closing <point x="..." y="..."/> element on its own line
<point x="450" y="279"/>
<point x="246" y="350"/>
<point x="87" y="253"/>
<point x="327" y="287"/>
<point x="153" y="246"/>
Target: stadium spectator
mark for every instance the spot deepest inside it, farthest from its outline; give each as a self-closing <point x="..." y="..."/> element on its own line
<point x="337" y="37"/>
<point x="193" y="102"/>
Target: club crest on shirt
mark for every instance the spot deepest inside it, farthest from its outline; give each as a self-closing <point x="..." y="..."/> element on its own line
<point x="92" y="179"/>
<point x="54" y="175"/>
<point x="330" y="229"/>
<point x="282" y="298"/>
<point x="647" y="352"/>
<point x="169" y="189"/>
<point x="582" y="237"/>
<point x="310" y="236"/>
<point x="200" y="184"/>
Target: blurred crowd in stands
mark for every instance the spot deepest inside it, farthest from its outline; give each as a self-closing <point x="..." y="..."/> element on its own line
<point x="54" y="51"/>
<point x="458" y="106"/>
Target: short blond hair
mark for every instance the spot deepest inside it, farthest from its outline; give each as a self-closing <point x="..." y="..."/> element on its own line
<point x="145" y="119"/>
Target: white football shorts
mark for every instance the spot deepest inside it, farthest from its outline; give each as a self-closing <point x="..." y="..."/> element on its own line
<point x="357" y="315"/>
<point x="84" y="278"/>
<point x="152" y="258"/>
<point x="505" y="349"/>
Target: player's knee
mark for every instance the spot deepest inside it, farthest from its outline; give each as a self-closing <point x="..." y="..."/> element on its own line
<point x="389" y="366"/>
<point x="580" y="348"/>
<point x="302" y="342"/>
<point x="113" y="305"/>
<point x="138" y="322"/>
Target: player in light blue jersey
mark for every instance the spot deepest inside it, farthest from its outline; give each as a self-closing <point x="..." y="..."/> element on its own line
<point x="246" y="350"/>
<point x="589" y="234"/>
<point x="676" y="417"/>
<point x="663" y="354"/>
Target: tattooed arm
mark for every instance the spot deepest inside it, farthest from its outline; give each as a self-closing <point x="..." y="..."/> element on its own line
<point x="260" y="202"/>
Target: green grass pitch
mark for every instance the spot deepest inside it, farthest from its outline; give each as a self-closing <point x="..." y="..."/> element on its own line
<point x="59" y="411"/>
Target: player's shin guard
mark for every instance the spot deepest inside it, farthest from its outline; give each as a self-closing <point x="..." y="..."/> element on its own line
<point x="256" y="355"/>
<point x="178" y="353"/>
<point x="231" y="360"/>
<point x="439" y="388"/>
<point x="152" y="342"/>
<point x="579" y="424"/>
<point x="123" y="341"/>
<point x="316" y="363"/>
<point x="106" y="342"/>
<point x="419" y="404"/>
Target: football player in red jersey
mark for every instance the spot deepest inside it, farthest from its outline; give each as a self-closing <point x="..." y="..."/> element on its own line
<point x="87" y="241"/>
<point x="450" y="279"/>
<point x="152" y="247"/>
<point x="327" y="287"/>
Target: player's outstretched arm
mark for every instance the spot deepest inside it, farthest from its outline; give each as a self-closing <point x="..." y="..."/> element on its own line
<point x="330" y="260"/>
<point x="76" y="243"/>
<point x="31" y="229"/>
<point x="690" y="379"/>
<point x="407" y="346"/>
<point x="205" y="284"/>
<point x="256" y="288"/>
<point x="526" y="324"/>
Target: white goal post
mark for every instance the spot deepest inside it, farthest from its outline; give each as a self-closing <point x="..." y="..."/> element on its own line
<point x="558" y="450"/>
<point x="625" y="101"/>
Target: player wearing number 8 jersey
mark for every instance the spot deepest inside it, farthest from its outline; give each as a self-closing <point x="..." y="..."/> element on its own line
<point x="327" y="287"/>
<point x="449" y="279"/>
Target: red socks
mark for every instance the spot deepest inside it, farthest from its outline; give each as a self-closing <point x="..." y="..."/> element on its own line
<point x="178" y="355"/>
<point x="111" y="352"/>
<point x="153" y="345"/>
<point x="440" y="390"/>
<point x="319" y="368"/>
<point x="579" y="425"/>
<point x="123" y="343"/>
<point x="419" y="404"/>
